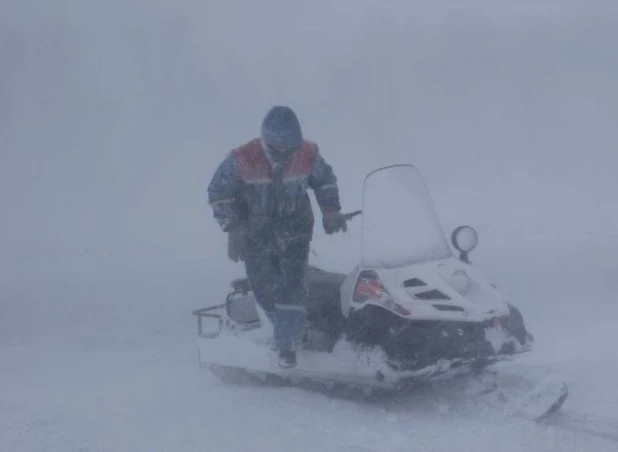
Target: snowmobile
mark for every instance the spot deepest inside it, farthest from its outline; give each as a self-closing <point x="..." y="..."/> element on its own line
<point x="411" y="310"/>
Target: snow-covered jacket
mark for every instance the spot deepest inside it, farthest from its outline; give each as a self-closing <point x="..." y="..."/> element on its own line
<point x="267" y="193"/>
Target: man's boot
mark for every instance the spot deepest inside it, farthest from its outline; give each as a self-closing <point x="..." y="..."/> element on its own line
<point x="287" y="359"/>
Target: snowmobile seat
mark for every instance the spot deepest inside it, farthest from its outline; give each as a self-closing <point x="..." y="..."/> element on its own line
<point x="324" y="286"/>
<point x="324" y="304"/>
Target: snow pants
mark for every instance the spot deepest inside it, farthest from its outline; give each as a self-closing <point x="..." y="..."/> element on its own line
<point x="278" y="279"/>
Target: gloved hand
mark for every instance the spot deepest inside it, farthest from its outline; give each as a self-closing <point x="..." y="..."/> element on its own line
<point x="237" y="244"/>
<point x="334" y="222"/>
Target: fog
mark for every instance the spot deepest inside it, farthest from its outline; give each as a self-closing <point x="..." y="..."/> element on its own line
<point x="114" y="116"/>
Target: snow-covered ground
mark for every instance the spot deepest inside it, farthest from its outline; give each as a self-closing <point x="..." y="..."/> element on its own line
<point x="113" y="116"/>
<point x="98" y="354"/>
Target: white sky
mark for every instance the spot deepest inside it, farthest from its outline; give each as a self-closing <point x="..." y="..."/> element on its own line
<point x="113" y="115"/>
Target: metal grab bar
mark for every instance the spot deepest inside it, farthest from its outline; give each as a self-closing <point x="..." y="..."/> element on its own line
<point x="207" y="312"/>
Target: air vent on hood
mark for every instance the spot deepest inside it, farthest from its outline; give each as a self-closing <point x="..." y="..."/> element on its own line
<point x="434" y="294"/>
<point x="414" y="282"/>
<point x="448" y="307"/>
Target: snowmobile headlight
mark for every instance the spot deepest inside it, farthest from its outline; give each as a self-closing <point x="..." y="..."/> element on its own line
<point x="465" y="239"/>
<point x="460" y="281"/>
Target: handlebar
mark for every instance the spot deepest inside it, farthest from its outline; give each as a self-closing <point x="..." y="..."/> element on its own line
<point x="349" y="216"/>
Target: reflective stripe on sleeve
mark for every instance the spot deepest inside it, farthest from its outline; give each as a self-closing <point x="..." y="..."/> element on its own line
<point x="290" y="307"/>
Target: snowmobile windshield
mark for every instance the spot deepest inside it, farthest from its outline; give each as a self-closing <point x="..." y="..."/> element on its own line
<point x="400" y="224"/>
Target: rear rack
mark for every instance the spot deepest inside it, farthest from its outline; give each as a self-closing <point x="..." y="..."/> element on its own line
<point x="208" y="313"/>
<point x="221" y="312"/>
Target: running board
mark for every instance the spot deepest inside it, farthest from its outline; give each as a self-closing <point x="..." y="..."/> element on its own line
<point x="347" y="363"/>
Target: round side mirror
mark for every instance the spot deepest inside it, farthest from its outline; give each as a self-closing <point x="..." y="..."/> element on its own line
<point x="465" y="239"/>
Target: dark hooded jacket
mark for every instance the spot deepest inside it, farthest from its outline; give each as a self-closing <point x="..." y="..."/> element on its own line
<point x="266" y="192"/>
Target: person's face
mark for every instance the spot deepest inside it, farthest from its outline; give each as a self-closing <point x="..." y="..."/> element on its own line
<point x="281" y="149"/>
